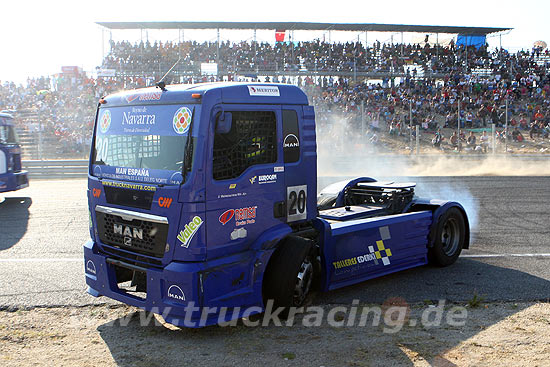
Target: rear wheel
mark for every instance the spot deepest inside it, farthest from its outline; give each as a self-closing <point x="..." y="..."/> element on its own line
<point x="449" y="238"/>
<point x="290" y="273"/>
<point x="326" y="201"/>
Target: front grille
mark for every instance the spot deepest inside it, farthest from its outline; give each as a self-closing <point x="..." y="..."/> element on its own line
<point x="137" y="235"/>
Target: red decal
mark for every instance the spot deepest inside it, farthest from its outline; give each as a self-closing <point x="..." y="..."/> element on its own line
<point x="165" y="202"/>
<point x="226" y="216"/>
<point x="96" y="192"/>
<point x="132" y="98"/>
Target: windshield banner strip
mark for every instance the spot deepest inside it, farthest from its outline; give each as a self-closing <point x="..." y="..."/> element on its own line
<point x="165" y="120"/>
<point x="145" y="175"/>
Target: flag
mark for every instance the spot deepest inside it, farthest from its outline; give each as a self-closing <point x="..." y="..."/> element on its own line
<point x="279" y="35"/>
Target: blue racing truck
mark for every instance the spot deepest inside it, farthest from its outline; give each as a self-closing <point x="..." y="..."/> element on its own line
<point x="12" y="177"/>
<point x="203" y="206"/>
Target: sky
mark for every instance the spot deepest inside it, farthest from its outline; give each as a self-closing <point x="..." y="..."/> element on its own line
<point x="38" y="37"/>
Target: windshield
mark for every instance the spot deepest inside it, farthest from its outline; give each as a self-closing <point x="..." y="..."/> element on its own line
<point x="144" y="143"/>
<point x="8" y="135"/>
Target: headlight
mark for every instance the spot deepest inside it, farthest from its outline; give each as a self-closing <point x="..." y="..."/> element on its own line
<point x="10" y="163"/>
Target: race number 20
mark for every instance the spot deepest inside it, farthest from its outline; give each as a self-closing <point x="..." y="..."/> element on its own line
<point x="296" y="203"/>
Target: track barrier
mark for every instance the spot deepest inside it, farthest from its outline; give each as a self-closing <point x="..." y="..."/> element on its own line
<point x="55" y="169"/>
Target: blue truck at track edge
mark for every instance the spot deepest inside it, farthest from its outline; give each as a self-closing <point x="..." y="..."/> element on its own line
<point x="12" y="176"/>
<point x="204" y="198"/>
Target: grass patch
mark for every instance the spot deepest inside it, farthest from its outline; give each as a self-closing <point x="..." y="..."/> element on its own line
<point x="289" y="356"/>
<point x="476" y="301"/>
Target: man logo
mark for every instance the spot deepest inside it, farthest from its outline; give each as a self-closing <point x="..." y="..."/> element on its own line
<point x="90" y="267"/>
<point x="291" y="141"/>
<point x="175" y="292"/>
<point x="127" y="231"/>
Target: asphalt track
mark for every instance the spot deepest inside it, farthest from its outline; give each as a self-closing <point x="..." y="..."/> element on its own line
<point x="42" y="229"/>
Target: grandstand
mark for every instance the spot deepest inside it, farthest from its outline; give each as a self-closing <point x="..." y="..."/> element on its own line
<point x="291" y="59"/>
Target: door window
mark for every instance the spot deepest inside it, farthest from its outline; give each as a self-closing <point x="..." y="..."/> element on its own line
<point x="252" y="140"/>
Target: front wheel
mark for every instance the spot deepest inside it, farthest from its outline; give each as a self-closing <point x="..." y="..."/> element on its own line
<point x="449" y="238"/>
<point x="290" y="273"/>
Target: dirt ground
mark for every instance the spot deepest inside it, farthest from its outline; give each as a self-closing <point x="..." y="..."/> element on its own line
<point x="503" y="334"/>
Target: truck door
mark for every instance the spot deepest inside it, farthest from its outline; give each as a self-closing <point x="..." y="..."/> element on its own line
<point x="245" y="179"/>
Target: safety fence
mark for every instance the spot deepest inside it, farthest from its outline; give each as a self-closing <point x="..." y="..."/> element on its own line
<point x="78" y="168"/>
<point x="55" y="169"/>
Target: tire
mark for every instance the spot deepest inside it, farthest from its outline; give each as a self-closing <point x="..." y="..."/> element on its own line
<point x="326" y="201"/>
<point x="290" y="274"/>
<point x="449" y="238"/>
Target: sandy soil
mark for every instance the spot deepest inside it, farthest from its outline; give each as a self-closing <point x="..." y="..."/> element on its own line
<point x="503" y="334"/>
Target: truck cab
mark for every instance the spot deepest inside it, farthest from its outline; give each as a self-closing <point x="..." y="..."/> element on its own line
<point x="203" y="198"/>
<point x="12" y="177"/>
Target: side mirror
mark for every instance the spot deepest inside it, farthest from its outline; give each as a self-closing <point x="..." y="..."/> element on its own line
<point x="223" y="125"/>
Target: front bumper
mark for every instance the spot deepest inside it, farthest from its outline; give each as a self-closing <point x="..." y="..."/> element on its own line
<point x="180" y="292"/>
<point x="13" y="181"/>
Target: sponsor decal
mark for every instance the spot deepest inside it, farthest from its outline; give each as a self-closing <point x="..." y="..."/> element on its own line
<point x="226" y="216"/>
<point x="105" y="121"/>
<point x="138" y="116"/>
<point x="265" y="179"/>
<point x="132" y="97"/>
<point x="245" y="215"/>
<point x="186" y="235"/>
<point x="132" y="186"/>
<point x="291" y="141"/>
<point x="165" y="202"/>
<point x="175" y="292"/>
<point x="279" y="169"/>
<point x="90" y="267"/>
<point x="238" y="233"/>
<point x="141" y="172"/>
<point x="96" y="192"/>
<point x="149" y="96"/>
<point x="232" y="186"/>
<point x="263" y="91"/>
<point x="233" y="195"/>
<point x="182" y="120"/>
<point x="242" y="216"/>
<point x="380" y="252"/>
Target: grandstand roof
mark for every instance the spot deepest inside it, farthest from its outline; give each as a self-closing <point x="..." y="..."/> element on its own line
<point x="304" y="26"/>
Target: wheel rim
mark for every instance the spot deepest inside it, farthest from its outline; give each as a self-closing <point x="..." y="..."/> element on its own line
<point x="450" y="237"/>
<point x="303" y="282"/>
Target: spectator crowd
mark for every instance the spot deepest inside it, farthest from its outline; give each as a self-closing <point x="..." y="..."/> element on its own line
<point x="426" y="85"/>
